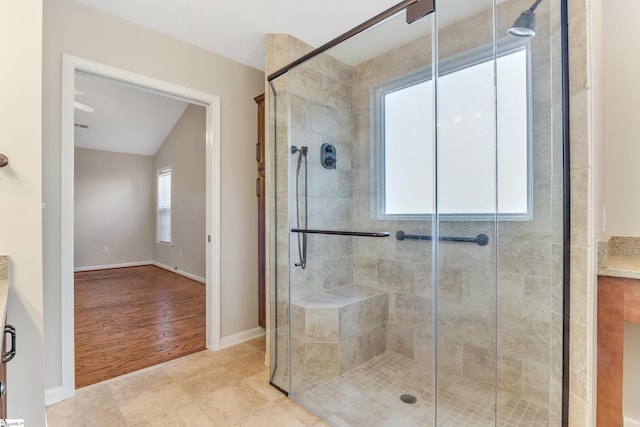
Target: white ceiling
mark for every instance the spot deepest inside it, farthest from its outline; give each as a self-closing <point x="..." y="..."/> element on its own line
<point x="236" y="29"/>
<point x="127" y="119"/>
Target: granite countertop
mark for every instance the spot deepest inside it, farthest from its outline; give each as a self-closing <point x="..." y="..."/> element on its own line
<point x="619" y="256"/>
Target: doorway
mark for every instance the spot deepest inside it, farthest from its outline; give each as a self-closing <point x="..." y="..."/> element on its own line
<point x="211" y="103"/>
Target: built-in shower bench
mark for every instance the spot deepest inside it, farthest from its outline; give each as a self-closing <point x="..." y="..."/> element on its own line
<point x="339" y="329"/>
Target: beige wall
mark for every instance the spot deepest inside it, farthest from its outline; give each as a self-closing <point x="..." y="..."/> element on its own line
<point x="114" y="207"/>
<point x="621" y="107"/>
<point x="73" y="28"/>
<point x="21" y="200"/>
<point x="184" y="151"/>
<point x="621" y="151"/>
<point x="631" y="368"/>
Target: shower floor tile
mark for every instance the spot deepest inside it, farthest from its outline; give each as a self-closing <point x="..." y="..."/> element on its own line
<point x="370" y="396"/>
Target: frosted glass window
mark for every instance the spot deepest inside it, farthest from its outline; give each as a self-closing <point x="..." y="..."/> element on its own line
<point x="475" y="175"/>
<point x="164" y="206"/>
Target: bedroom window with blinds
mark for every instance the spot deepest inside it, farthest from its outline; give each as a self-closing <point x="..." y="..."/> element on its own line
<point x="164" y="206"/>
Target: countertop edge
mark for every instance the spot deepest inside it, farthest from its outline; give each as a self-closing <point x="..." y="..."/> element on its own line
<point x="619" y="256"/>
<point x="627" y="274"/>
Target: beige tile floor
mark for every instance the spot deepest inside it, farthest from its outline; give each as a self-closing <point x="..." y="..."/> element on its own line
<point x="225" y="388"/>
<point x="370" y="396"/>
<point x="231" y="388"/>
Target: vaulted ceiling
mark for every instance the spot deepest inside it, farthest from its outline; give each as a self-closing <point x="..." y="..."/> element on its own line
<point x="126" y="119"/>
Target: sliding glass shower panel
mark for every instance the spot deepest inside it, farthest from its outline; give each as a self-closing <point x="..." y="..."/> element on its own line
<point x="530" y="250"/>
<point x="466" y="213"/>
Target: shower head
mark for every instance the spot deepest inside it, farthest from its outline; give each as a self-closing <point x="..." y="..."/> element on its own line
<point x="525" y="25"/>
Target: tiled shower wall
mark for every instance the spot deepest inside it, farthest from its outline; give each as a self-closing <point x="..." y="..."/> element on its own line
<point x="320" y="112"/>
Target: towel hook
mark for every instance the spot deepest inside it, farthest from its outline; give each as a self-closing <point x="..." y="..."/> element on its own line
<point x="4" y="160"/>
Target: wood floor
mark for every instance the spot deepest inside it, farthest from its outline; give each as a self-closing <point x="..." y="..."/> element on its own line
<point x="131" y="318"/>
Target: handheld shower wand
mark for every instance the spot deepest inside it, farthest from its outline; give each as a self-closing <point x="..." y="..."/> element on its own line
<point x="302" y="237"/>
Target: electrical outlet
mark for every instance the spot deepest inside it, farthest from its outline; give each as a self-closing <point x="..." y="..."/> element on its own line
<point x="105" y="249"/>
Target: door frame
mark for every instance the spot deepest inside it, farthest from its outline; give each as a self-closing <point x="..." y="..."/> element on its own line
<point x="71" y="64"/>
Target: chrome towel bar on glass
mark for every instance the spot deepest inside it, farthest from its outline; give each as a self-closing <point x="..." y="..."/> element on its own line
<point x="480" y="239"/>
<point x="342" y="233"/>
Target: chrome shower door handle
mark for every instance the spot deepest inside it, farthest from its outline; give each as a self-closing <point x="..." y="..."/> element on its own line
<point x="9" y="355"/>
<point x="259" y="187"/>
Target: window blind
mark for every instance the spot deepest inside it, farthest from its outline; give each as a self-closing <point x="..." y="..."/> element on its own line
<point x="164" y="206"/>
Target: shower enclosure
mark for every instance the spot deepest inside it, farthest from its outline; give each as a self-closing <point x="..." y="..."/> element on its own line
<point x="417" y="245"/>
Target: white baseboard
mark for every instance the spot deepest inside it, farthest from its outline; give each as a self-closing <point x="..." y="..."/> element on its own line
<point x="241" y="337"/>
<point x="180" y="272"/>
<point x="140" y="263"/>
<point x="630" y="422"/>
<point x="109" y="266"/>
<point x="52" y="395"/>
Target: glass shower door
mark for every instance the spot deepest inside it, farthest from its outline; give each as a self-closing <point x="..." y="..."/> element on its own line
<point x="498" y="352"/>
<point x="417" y="206"/>
<point x="359" y="312"/>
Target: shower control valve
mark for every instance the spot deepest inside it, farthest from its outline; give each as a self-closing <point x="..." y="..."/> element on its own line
<point x="328" y="156"/>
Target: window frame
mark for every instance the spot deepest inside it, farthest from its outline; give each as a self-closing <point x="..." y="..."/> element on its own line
<point x="475" y="56"/>
<point x="167" y="170"/>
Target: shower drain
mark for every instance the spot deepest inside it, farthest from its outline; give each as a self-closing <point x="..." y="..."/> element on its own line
<point x="408" y="398"/>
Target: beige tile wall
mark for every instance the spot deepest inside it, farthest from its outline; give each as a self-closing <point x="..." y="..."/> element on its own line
<point x="320" y="112"/>
<point x="583" y="249"/>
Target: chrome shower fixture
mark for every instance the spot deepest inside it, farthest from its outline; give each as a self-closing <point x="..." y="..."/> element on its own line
<point x="302" y="150"/>
<point x="525" y="25"/>
<point x="328" y="156"/>
<point x="302" y="238"/>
